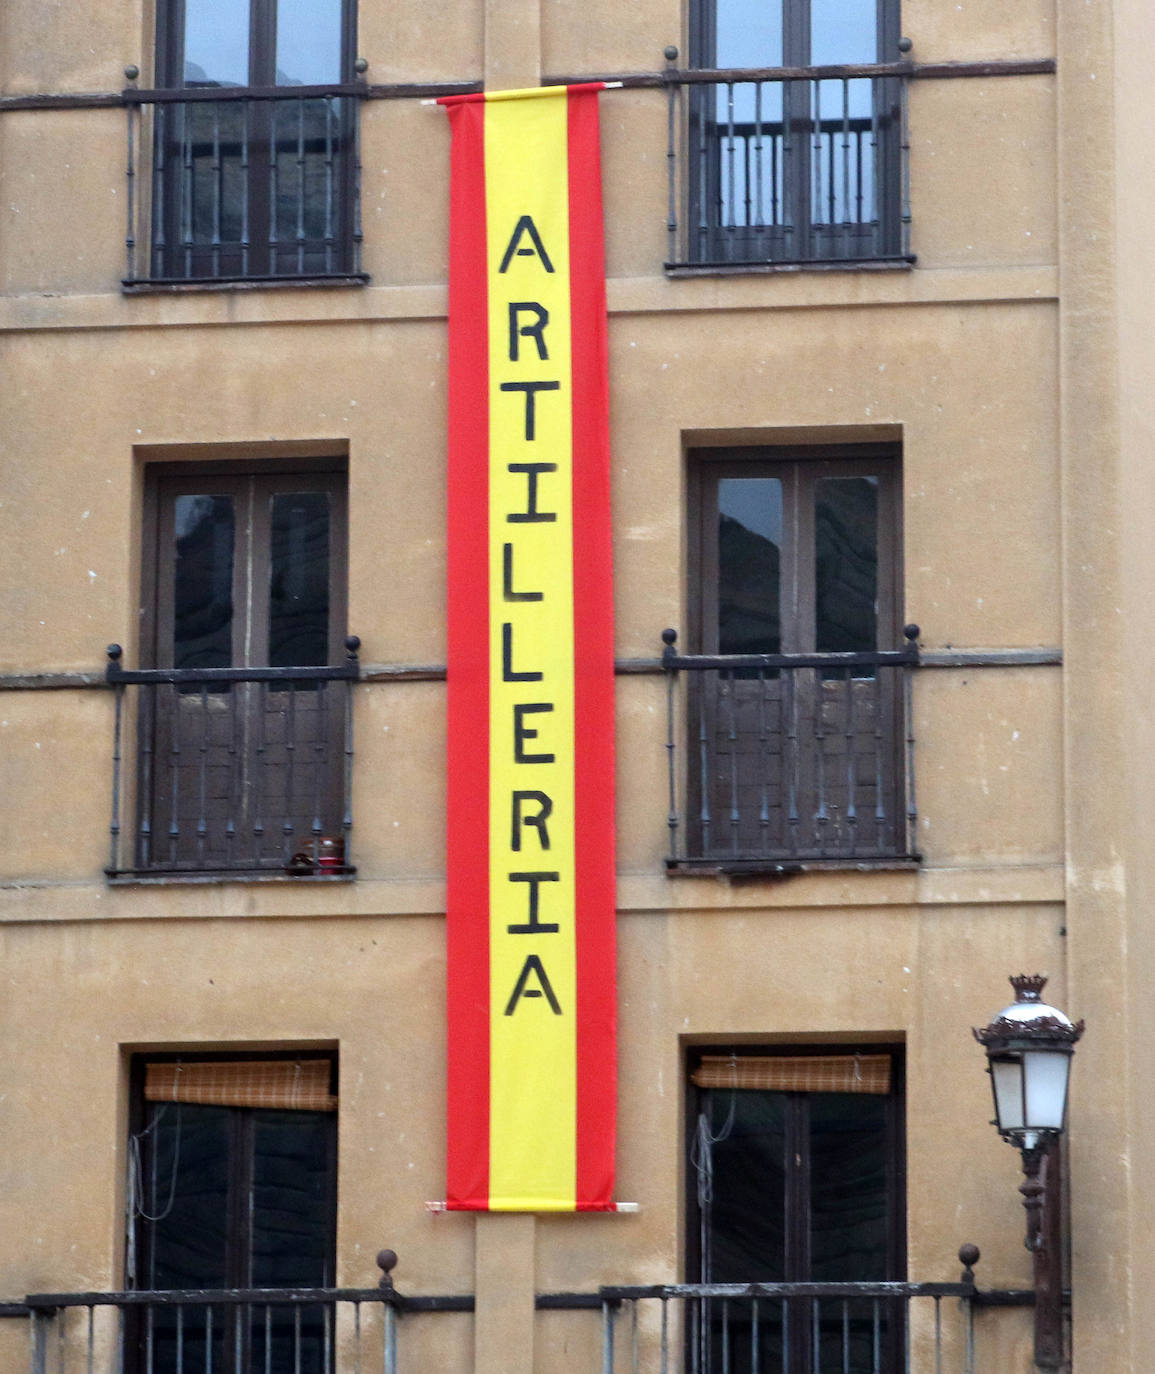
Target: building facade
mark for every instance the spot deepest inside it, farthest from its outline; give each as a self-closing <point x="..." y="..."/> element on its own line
<point x="878" y="336"/>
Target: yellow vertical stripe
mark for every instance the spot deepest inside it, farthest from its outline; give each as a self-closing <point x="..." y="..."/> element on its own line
<point x="533" y="1050"/>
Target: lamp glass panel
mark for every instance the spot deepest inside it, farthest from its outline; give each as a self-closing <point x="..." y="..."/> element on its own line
<point x="1007" y="1075"/>
<point x="1045" y="1072"/>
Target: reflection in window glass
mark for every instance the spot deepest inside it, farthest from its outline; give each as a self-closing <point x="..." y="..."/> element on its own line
<point x="748" y="33"/>
<point x="843" y="31"/>
<point x="308" y="42"/>
<point x="216" y="43"/>
<point x="846" y="564"/>
<point x="299" y="580"/>
<point x="203" y="582"/>
<point x="749" y="565"/>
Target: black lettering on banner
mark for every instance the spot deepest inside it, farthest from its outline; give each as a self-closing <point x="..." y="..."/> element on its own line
<point x="507" y="673"/>
<point x="538" y="822"/>
<point x="522" y="732"/>
<point x="527" y="331"/>
<point x="533" y="926"/>
<point x="533" y="966"/>
<point x="531" y="516"/>
<point x="507" y="592"/>
<point x="531" y="389"/>
<point x="525" y="225"/>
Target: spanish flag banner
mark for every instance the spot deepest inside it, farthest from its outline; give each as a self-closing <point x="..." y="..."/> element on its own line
<point x="531" y="904"/>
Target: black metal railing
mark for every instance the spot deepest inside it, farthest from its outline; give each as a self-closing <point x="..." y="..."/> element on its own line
<point x="232" y="1331"/>
<point x="788" y="165"/>
<point x="791" y="757"/>
<point x="236" y="769"/>
<point x="789" y="1328"/>
<point x="243" y="184"/>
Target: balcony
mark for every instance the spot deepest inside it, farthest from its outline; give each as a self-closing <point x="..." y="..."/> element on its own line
<point x="237" y="770"/>
<point x="791" y="759"/>
<point x="771" y="1328"/>
<point x="788" y="166"/>
<point x="247" y="184"/>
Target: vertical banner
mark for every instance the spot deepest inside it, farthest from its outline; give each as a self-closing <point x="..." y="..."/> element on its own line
<point x="531" y="905"/>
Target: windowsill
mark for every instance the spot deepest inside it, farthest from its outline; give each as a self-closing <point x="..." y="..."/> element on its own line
<point x="740" y="269"/>
<point x="218" y="877"/>
<point x="143" y="286"/>
<point x="778" y="869"/>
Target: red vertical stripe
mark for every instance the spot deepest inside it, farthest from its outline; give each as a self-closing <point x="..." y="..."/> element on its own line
<point x="467" y="856"/>
<point x="594" y="669"/>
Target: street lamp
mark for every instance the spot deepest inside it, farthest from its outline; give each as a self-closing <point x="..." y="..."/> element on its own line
<point x="1029" y="1047"/>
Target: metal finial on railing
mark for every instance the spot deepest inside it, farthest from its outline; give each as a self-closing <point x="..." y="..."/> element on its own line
<point x="386" y="1262"/>
<point x="969" y="1255"/>
<point x="352" y="645"/>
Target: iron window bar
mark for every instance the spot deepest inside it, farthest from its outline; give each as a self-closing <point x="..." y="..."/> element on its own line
<point x="248" y="184"/>
<point x="247" y="1330"/>
<point x="788" y="166"/>
<point x="792" y="759"/>
<point x="269" y="779"/>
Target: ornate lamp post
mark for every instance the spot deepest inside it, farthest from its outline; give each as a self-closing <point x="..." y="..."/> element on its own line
<point x="1029" y="1047"/>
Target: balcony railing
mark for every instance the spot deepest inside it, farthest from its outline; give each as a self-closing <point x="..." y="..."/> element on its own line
<point x="757" y="1328"/>
<point x="791" y="758"/>
<point x="237" y="769"/>
<point x="231" y="1331"/>
<point x="789" y="1328"/>
<point x="788" y="165"/>
<point x="243" y="184"/>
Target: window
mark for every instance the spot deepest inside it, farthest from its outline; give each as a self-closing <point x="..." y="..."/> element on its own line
<point x="248" y="187"/>
<point x="243" y="723"/>
<point x="232" y="1184"/>
<point x="800" y="170"/>
<point x="796" y="1169"/>
<point x="796" y="557"/>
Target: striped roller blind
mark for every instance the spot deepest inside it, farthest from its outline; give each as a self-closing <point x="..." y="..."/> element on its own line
<point x="821" y="1073"/>
<point x="292" y="1084"/>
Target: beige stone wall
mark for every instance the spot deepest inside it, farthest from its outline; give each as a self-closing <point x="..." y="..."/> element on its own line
<point x="1011" y="363"/>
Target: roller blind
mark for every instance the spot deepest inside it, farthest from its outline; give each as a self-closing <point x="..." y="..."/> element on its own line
<point x="823" y="1073"/>
<point x="289" y="1084"/>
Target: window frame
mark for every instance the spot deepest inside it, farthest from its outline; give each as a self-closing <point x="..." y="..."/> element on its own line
<point x="807" y="463"/>
<point x="255" y="255"/>
<point x="800" y="238"/>
<point x="166" y="714"/>
<point x="240" y="1134"/>
<point x="796" y="1221"/>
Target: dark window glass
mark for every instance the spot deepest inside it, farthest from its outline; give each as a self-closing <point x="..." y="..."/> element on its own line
<point x="749" y="565"/>
<point x="747" y="1217"/>
<point x="291" y="1200"/>
<point x="848" y="1187"/>
<point x="846" y="564"/>
<point x="204" y="530"/>
<point x="299" y="580"/>
<point x="186" y="1195"/>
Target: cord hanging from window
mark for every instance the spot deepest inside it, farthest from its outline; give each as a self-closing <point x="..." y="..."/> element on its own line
<point x="702" y="1148"/>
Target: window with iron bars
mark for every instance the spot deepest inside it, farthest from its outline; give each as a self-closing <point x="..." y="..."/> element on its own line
<point x="794" y="154"/>
<point x="252" y="138"/>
